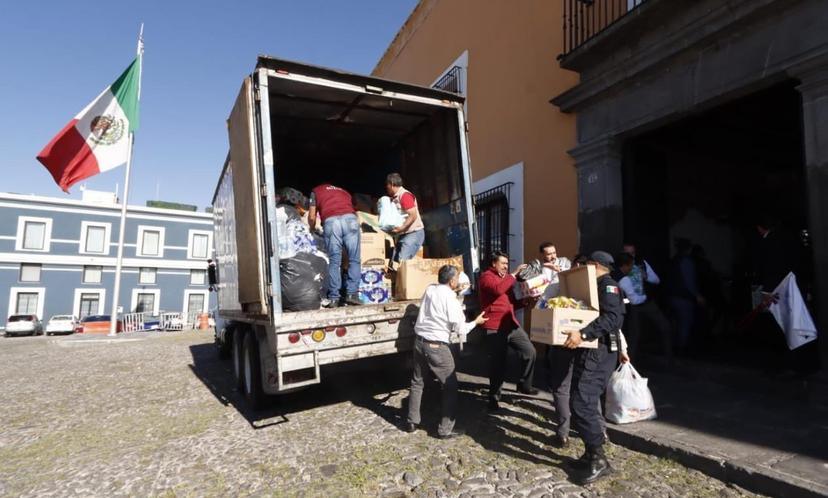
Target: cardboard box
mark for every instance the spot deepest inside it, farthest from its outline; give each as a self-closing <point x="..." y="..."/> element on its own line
<point x="372" y="248"/>
<point x="414" y="275"/>
<point x="534" y="287"/>
<point x="548" y="325"/>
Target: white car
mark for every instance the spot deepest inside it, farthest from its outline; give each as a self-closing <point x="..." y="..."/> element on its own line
<point x="61" y="324"/>
<point x="23" y="325"/>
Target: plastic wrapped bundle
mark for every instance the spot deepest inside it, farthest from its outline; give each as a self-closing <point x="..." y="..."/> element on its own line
<point x="302" y="281"/>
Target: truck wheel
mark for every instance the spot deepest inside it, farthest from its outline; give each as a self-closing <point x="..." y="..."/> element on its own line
<point x="253" y="392"/>
<point x="224" y="347"/>
<point x="238" y="359"/>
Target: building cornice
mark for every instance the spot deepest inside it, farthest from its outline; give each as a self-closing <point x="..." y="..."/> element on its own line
<point x="116" y="208"/>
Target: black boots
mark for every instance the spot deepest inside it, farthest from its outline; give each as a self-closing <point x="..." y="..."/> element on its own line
<point x="591" y="467"/>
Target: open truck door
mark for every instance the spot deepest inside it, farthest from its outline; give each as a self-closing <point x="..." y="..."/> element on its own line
<point x="248" y="203"/>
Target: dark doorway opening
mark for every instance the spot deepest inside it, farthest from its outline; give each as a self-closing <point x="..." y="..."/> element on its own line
<point x="710" y="178"/>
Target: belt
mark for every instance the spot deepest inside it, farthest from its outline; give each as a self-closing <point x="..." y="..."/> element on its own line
<point x="421" y="339"/>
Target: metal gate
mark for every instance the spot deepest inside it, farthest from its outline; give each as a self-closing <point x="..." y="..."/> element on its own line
<point x="492" y="211"/>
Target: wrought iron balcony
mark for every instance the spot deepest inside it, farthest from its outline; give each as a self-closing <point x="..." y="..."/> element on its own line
<point x="585" y="19"/>
<point x="451" y="81"/>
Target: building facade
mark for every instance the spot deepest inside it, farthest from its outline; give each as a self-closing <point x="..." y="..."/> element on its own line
<point x="58" y="257"/>
<point x="701" y="120"/>
<point x="501" y="57"/>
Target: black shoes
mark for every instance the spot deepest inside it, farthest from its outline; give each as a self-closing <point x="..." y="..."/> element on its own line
<point x="560" y="441"/>
<point x="331" y="303"/>
<point x="453" y="434"/>
<point x="353" y="300"/>
<point x="531" y="391"/>
<point x="409" y="427"/>
<point x="494" y="406"/>
<point x="597" y="467"/>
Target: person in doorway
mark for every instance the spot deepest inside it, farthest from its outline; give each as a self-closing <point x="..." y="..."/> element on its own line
<point x="440" y="315"/>
<point x="552" y="265"/>
<point x="503" y="329"/>
<point x="642" y="310"/>
<point x="341" y="230"/>
<point x="592" y="370"/>
<point x="412" y="232"/>
<point x="683" y="292"/>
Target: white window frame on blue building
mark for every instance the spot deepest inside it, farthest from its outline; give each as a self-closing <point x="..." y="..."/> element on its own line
<point x="139" y="243"/>
<point x="156" y="304"/>
<point x="41" y="299"/>
<point x="20" y="240"/>
<point x="191" y="244"/>
<point x="79" y="296"/>
<point x="84" y="237"/>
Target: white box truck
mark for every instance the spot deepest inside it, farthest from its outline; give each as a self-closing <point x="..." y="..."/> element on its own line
<point x="299" y="125"/>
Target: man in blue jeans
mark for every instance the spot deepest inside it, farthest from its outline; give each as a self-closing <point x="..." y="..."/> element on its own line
<point x="412" y="231"/>
<point x="341" y="227"/>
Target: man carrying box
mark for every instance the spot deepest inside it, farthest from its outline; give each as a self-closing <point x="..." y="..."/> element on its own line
<point x="592" y="370"/>
<point x="502" y="328"/>
<point x="412" y="231"/>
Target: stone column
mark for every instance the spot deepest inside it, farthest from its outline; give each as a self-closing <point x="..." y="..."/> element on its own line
<point x="814" y="90"/>
<point x="600" y="214"/>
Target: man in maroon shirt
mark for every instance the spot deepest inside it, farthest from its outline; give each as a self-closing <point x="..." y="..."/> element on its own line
<point x="339" y="220"/>
<point x="502" y="328"/>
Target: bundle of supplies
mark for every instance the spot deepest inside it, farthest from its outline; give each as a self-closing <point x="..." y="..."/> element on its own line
<point x="562" y="302"/>
<point x="531" y="287"/>
<point x="574" y="309"/>
<point x="374" y="287"/>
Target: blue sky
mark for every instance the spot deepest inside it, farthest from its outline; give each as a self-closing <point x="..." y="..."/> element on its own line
<point x="56" y="56"/>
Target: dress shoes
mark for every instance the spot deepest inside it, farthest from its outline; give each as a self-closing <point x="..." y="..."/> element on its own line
<point x="597" y="468"/>
<point x="409" y="427"/>
<point x="453" y="434"/>
<point x="494" y="406"/>
<point x="560" y="441"/>
<point x="531" y="391"/>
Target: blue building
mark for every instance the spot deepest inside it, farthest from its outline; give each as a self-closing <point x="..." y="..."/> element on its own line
<point x="58" y="256"/>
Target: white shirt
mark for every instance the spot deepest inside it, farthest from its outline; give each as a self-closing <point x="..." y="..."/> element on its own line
<point x="554" y="287"/>
<point x="440" y="314"/>
<point x="633" y="283"/>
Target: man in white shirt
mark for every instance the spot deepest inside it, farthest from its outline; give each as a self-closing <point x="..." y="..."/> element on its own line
<point x="552" y="265"/>
<point x="641" y="309"/>
<point x="440" y="315"/>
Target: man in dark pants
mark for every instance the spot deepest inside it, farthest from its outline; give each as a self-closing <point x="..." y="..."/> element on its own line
<point x="593" y="368"/>
<point x="440" y="315"/>
<point x="502" y="328"/>
<point x="642" y="310"/>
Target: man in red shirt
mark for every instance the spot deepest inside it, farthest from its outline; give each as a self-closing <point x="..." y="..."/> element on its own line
<point x="412" y="231"/>
<point x="341" y="226"/>
<point x="502" y="328"/>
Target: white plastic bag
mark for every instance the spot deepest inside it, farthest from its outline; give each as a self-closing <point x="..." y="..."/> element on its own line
<point x="389" y="215"/>
<point x="628" y="397"/>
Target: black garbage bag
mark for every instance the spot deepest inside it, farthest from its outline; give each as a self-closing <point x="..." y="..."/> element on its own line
<point x="302" y="280"/>
<point x="532" y="270"/>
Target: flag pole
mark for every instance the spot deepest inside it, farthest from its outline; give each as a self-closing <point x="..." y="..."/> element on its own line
<point x="113" y="318"/>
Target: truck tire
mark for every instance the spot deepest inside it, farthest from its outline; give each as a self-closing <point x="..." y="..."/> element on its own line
<point x="253" y="392"/>
<point x="238" y="358"/>
<point x="225" y="347"/>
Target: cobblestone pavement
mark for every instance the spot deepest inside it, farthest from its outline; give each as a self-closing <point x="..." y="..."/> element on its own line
<point x="159" y="416"/>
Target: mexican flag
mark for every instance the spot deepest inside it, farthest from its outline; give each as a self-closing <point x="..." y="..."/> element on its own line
<point x="97" y="139"/>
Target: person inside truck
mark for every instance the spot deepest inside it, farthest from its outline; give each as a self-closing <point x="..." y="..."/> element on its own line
<point x="412" y="232"/>
<point x="341" y="230"/>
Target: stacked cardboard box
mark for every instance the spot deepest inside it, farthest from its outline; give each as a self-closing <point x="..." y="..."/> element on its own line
<point x="548" y="325"/>
<point x="414" y="275"/>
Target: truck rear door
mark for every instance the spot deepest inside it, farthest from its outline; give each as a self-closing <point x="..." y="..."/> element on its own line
<point x="249" y="203"/>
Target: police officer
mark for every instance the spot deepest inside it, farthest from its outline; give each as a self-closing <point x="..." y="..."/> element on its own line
<point x="592" y="370"/>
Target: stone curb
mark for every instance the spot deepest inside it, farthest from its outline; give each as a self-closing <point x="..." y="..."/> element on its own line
<point x="758" y="480"/>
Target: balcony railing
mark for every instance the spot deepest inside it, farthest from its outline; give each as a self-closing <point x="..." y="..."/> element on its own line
<point x="584" y="19"/>
<point x="451" y="82"/>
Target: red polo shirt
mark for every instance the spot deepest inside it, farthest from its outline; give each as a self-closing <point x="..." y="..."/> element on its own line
<point x="331" y="201"/>
<point x="497" y="301"/>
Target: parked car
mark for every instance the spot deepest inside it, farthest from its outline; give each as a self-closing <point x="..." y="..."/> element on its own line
<point x="152" y="322"/>
<point x="23" y="325"/>
<point x="98" y="324"/>
<point x="61" y="324"/>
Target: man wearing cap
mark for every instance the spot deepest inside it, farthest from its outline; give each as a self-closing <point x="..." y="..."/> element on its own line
<point x="592" y="370"/>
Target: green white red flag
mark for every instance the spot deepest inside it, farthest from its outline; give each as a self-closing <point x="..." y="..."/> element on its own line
<point x="97" y="139"/>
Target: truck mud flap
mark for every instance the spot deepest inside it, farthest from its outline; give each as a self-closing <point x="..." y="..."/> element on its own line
<point x="307" y="362"/>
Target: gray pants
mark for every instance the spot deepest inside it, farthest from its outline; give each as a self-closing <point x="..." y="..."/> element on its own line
<point x="434" y="357"/>
<point x="560" y="361"/>
<point x="499" y="344"/>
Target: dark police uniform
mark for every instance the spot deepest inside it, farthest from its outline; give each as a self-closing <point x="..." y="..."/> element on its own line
<point x="593" y="367"/>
